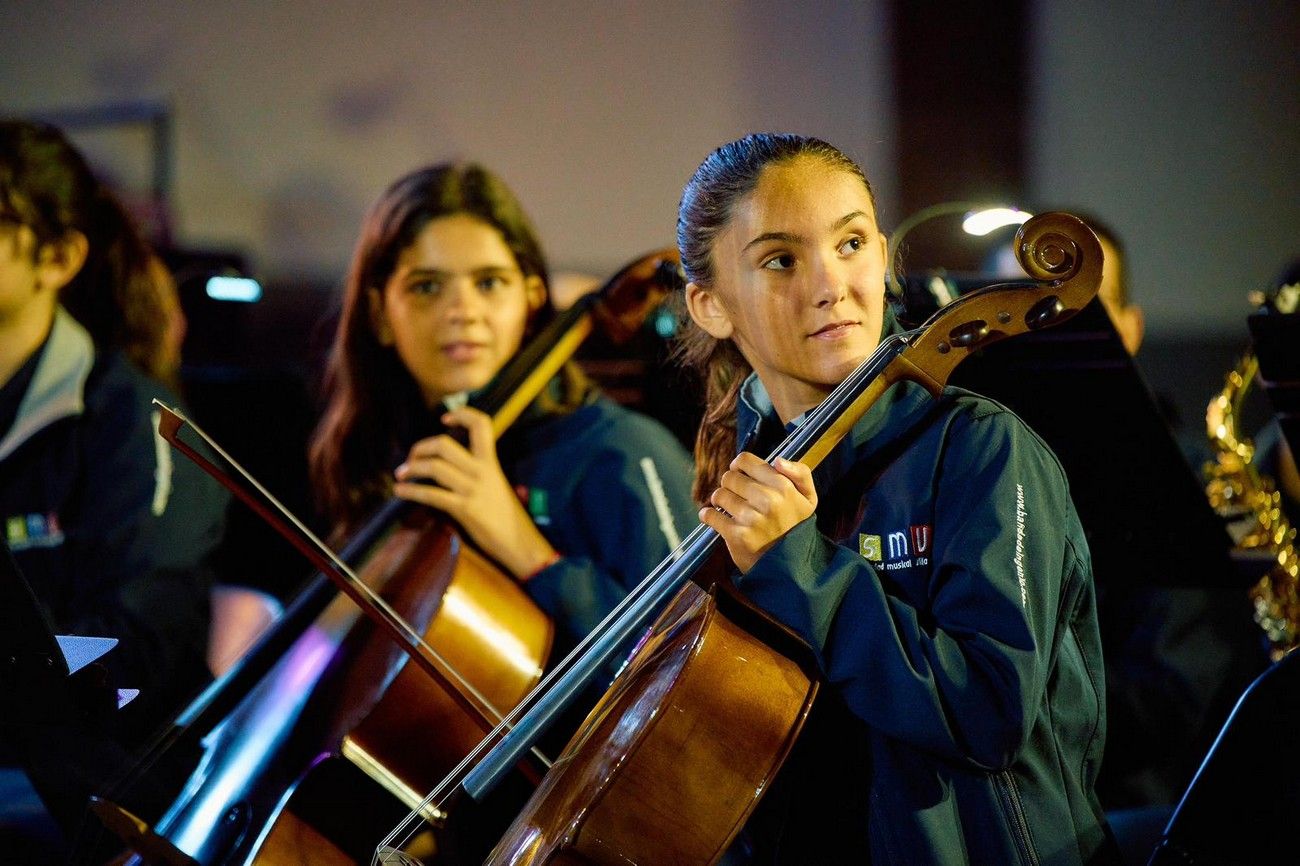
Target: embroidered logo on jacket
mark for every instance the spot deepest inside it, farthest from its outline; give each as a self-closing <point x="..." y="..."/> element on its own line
<point x="25" y="531"/>
<point x="897" y="546"/>
<point x="899" y="549"/>
<point x="921" y="537"/>
<point x="534" y="500"/>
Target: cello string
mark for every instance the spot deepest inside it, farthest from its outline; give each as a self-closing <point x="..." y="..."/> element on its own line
<point x="798" y="441"/>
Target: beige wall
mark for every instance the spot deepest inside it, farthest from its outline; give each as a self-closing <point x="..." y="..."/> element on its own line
<point x="1179" y="123"/>
<point x="292" y="117"/>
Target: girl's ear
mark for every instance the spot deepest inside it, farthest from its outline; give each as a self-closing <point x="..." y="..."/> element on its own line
<point x="534" y="293"/>
<point x="59" y="261"/>
<point x="379" y="317"/>
<point x="708" y="312"/>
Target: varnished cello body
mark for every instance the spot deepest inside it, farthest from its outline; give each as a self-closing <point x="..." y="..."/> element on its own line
<point x="332" y="742"/>
<point x="671" y="763"/>
<point x="701" y="679"/>
<point x="282" y="771"/>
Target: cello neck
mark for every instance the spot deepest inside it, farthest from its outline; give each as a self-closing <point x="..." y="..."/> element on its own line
<point x="618" y="307"/>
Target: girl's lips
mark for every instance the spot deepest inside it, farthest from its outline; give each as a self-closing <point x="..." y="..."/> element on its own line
<point x="834" y="331"/>
<point x="463" y="351"/>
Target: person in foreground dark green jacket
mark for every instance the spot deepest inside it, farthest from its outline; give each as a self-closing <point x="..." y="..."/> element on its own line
<point x="933" y="562"/>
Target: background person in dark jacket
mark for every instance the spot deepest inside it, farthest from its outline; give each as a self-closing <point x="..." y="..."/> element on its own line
<point x="945" y="587"/>
<point x="109" y="531"/>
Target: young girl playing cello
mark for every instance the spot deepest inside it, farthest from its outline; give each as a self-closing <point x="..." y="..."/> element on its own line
<point x="933" y="561"/>
<point x="580" y="498"/>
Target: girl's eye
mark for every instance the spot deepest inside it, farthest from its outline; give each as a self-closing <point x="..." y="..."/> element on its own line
<point x="424" y="287"/>
<point x="852" y="245"/>
<point x="491" y="283"/>
<point x="782" y="262"/>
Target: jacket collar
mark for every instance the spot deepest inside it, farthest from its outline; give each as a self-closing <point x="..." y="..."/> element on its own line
<point x="58" y="386"/>
<point x="758" y="424"/>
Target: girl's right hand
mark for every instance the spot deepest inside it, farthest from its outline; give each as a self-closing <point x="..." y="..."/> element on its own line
<point x="757" y="503"/>
<point x="469" y="486"/>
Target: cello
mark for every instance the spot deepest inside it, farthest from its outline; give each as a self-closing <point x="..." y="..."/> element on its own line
<point x="672" y="761"/>
<point x="324" y="713"/>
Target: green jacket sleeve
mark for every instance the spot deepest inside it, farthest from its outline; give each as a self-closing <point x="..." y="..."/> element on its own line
<point x="629" y="510"/>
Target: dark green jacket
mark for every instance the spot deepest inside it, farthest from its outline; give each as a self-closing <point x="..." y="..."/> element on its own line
<point x="113" y="530"/>
<point x="611" y="490"/>
<point x="945" y="586"/>
<point x="108" y="524"/>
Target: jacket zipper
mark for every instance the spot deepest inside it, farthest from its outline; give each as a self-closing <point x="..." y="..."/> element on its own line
<point x="1006" y="787"/>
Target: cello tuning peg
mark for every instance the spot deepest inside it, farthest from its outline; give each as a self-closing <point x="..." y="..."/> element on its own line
<point x="1044" y="312"/>
<point x="967" y="335"/>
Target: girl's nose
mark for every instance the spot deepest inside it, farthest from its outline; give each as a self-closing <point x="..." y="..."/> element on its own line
<point x="830" y="283"/>
<point x="464" y="301"/>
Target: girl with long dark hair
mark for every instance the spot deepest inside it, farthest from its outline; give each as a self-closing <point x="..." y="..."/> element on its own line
<point x="580" y="499"/>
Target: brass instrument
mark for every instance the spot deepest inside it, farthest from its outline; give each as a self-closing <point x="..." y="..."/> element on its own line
<point x="1252" y="507"/>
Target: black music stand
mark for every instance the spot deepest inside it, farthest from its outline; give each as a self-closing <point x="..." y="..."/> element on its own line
<point x="47" y="678"/>
<point x="1243" y="804"/>
<point x="1141" y="504"/>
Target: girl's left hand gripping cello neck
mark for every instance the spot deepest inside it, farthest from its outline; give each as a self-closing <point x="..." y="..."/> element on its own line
<point x="617" y="309"/>
<point x="629" y="752"/>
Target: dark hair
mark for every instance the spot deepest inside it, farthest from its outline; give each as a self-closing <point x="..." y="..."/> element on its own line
<point x="46" y="185"/>
<point x="725" y="177"/>
<point x="372" y="399"/>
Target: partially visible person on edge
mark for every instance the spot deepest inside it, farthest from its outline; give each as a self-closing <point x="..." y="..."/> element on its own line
<point x="1125" y="315"/>
<point x="108" y="528"/>
<point x="963" y="651"/>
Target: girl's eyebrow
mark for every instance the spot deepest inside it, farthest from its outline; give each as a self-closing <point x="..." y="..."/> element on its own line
<point x="787" y="237"/>
<point x="776" y="236"/>
<point x="435" y="272"/>
<point x="847" y="218"/>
